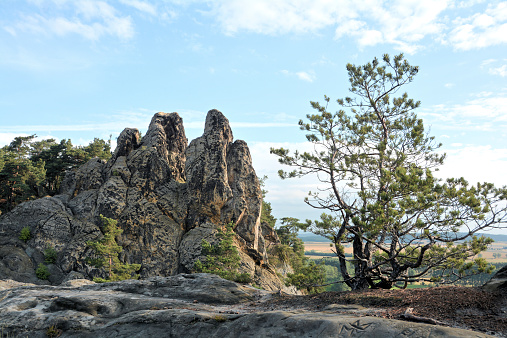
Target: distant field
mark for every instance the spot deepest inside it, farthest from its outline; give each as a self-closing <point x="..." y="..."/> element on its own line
<point x="322" y="247"/>
<point x="495" y="248"/>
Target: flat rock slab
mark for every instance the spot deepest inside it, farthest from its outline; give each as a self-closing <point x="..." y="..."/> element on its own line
<point x="199" y="305"/>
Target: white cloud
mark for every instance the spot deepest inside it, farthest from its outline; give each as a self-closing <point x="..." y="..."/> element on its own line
<point x="286" y="196"/>
<point x="502" y="71"/>
<point x="469" y="3"/>
<point x="151" y="8"/>
<point x="302" y="75"/>
<point x="487" y="62"/>
<point x="310" y="77"/>
<point x="277" y="17"/>
<point x="486" y="112"/>
<point x="141" y="6"/>
<point x="481" y="29"/>
<point x="476" y="164"/>
<point x="402" y="23"/>
<point x="483" y="94"/>
<point x="7" y="138"/>
<point x="90" y="19"/>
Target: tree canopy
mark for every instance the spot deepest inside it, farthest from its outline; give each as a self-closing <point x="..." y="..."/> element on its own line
<point x="31" y="169"/>
<point x="376" y="165"/>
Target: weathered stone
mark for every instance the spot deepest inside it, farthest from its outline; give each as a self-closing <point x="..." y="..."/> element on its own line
<point x="89" y="176"/>
<point x="197" y="305"/>
<point x="16" y="264"/>
<point x="498" y="282"/>
<point x="166" y="197"/>
<point x="190" y="246"/>
<point x="244" y="209"/>
<point x="126" y="142"/>
<point x="206" y="169"/>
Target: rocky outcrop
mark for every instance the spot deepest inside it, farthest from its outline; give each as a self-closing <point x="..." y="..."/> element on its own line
<point x="498" y="282"/>
<point x="166" y="196"/>
<point x="197" y="305"/>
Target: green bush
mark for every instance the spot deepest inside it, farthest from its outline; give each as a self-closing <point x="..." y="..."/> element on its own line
<point x="25" y="234"/>
<point x="50" y="255"/>
<point x="106" y="252"/>
<point x="306" y="275"/>
<point x="222" y="259"/>
<point x="220" y="318"/>
<point x="42" y="272"/>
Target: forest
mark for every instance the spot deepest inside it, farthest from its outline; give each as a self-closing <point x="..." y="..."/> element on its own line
<point x="31" y="168"/>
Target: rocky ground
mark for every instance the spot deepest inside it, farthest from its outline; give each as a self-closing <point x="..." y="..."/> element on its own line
<point x="206" y="305"/>
<point x="461" y="307"/>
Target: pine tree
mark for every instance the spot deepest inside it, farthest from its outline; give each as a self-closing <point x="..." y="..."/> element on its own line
<point x="223" y="258"/>
<point x="377" y="162"/>
<point x="106" y="254"/>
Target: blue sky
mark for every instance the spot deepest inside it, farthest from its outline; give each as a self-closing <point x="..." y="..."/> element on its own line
<point x="86" y="68"/>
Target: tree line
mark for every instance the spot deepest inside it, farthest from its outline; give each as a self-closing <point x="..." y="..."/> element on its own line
<point x="31" y="169"/>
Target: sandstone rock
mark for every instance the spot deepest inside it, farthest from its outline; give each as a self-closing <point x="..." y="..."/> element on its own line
<point x="190" y="246"/>
<point x="498" y="282"/>
<point x="165" y="195"/>
<point x="206" y="169"/>
<point x="197" y="305"/>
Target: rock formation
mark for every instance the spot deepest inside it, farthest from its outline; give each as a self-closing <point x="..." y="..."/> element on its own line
<point x="166" y="196"/>
<point x="196" y="305"/>
<point x="498" y="282"/>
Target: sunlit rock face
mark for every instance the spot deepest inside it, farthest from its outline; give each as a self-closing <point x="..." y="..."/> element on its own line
<point x="167" y="195"/>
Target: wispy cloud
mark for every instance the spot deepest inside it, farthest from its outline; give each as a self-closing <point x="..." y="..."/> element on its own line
<point x="481" y="29"/>
<point x="154" y="9"/>
<point x="302" y="75"/>
<point x="486" y="112"/>
<point x="141" y="120"/>
<point x="502" y="71"/>
<point x="141" y="6"/>
<point x="401" y="23"/>
<point x="89" y="19"/>
<point x="488" y="164"/>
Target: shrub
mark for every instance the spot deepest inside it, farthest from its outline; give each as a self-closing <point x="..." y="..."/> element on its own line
<point x="42" y="272"/>
<point x="25" y="234"/>
<point x="222" y="259"/>
<point x="50" y="255"/>
<point x="106" y="251"/>
<point x="53" y="332"/>
<point x="220" y="318"/>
